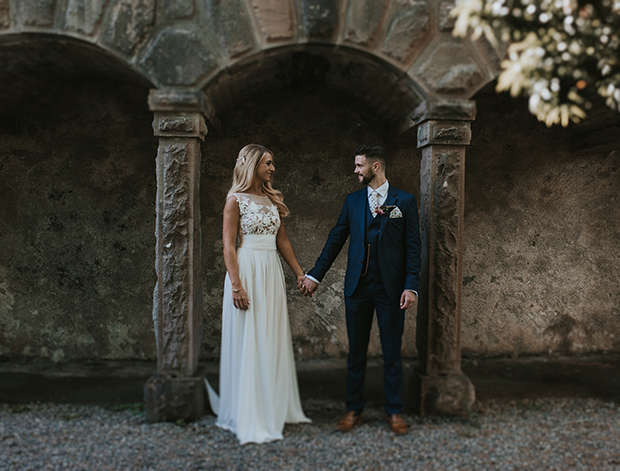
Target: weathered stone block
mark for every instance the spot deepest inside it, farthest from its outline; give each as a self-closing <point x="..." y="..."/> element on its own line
<point x="171" y="399"/>
<point x="446" y="110"/>
<point x="84" y="16"/>
<point x="179" y="9"/>
<point x="446" y="22"/>
<point x="5" y="18"/>
<point x="177" y="58"/>
<point x="229" y="23"/>
<point x="493" y="56"/>
<point x="320" y="18"/>
<point x="451" y="110"/>
<point x="409" y="30"/>
<point x="180" y="125"/>
<point x="444" y="132"/>
<point x="131" y="22"/>
<point x="364" y="20"/>
<point x="179" y="101"/>
<point x="275" y="19"/>
<point x="450" y="70"/>
<point x="37" y="13"/>
<point x="450" y="395"/>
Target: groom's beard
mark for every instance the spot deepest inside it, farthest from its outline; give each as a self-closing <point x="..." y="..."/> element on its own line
<point x="367" y="178"/>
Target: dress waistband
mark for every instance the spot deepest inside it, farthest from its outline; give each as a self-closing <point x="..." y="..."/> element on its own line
<point x="258" y="242"/>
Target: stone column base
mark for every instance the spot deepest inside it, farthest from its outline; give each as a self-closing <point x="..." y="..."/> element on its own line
<point x="169" y="399"/>
<point x="446" y="395"/>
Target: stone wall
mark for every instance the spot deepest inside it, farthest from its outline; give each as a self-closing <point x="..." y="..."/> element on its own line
<point x="542" y="238"/>
<point x="77" y="186"/>
<point x="77" y="192"/>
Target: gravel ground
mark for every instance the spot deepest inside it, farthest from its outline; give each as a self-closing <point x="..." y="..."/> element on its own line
<point x="550" y="434"/>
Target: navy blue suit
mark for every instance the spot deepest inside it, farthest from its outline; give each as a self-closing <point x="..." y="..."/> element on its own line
<point x="394" y="266"/>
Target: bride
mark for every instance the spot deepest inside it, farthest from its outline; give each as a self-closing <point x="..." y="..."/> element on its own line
<point x="258" y="382"/>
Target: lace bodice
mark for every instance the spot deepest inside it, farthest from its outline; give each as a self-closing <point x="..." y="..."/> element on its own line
<point x="258" y="215"/>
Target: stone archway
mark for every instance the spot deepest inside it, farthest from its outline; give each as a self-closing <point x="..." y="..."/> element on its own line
<point x="185" y="47"/>
<point x="182" y="119"/>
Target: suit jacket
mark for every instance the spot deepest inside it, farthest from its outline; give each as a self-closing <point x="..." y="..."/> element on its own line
<point x="399" y="243"/>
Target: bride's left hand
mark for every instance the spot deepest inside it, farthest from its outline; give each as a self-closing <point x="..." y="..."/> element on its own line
<point x="300" y="280"/>
<point x="302" y="286"/>
<point x="300" y="283"/>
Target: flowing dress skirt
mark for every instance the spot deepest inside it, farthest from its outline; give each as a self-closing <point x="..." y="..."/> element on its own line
<point x="258" y="381"/>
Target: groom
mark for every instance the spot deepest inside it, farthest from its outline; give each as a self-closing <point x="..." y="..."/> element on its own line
<point x="382" y="275"/>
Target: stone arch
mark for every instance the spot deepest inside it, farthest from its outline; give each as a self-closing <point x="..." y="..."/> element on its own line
<point x="356" y="74"/>
<point x="29" y="55"/>
<point x="185" y="43"/>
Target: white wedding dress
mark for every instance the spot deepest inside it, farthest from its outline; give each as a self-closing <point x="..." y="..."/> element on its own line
<point x="258" y="381"/>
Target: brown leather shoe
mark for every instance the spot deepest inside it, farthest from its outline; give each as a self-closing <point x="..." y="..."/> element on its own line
<point x="350" y="420"/>
<point x="397" y="424"/>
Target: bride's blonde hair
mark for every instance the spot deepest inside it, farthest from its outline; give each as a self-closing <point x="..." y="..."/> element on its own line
<point x="245" y="171"/>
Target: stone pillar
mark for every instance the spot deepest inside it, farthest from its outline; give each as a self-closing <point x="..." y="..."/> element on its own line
<point x="175" y="391"/>
<point x="440" y="388"/>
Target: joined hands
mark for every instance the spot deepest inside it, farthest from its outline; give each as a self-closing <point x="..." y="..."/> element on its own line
<point x="306" y="286"/>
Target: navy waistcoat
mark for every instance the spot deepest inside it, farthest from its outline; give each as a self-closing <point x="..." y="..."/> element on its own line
<point x="373" y="225"/>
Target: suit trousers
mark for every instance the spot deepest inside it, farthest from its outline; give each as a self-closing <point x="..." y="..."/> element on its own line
<point x="370" y="295"/>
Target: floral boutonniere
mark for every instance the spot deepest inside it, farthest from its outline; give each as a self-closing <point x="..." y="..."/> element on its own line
<point x="385" y="209"/>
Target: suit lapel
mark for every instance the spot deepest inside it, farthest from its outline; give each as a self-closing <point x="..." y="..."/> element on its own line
<point x="362" y="205"/>
<point x="392" y="200"/>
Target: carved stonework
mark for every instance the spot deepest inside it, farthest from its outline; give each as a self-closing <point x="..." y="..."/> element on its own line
<point x="177" y="100"/>
<point x="450" y="70"/>
<point x="446" y="22"/>
<point x="178" y="296"/>
<point x="179" y="9"/>
<point x="229" y="26"/>
<point x="446" y="260"/>
<point x="444" y="132"/>
<point x="320" y="18"/>
<point x="37" y="13"/>
<point x="440" y="386"/>
<point x="130" y="23"/>
<point x="176" y="391"/>
<point x="178" y="58"/>
<point x="364" y="20"/>
<point x="177" y="299"/>
<point x="275" y="19"/>
<point x="179" y="125"/>
<point x="408" y="31"/>
<point x="84" y="16"/>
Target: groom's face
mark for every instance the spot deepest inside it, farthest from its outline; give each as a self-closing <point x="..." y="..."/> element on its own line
<point x="363" y="170"/>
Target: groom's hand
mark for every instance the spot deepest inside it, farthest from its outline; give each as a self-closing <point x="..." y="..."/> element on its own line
<point x="407" y="299"/>
<point x="308" y="287"/>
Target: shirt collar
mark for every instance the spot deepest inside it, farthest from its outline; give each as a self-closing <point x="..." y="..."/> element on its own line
<point x="382" y="190"/>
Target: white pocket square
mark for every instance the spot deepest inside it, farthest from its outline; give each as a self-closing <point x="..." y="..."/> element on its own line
<point x="396" y="213"/>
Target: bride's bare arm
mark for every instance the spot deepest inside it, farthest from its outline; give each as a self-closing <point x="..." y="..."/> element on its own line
<point x="286" y="250"/>
<point x="229" y="236"/>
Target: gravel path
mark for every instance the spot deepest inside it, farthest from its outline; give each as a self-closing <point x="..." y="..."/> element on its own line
<point x="549" y="434"/>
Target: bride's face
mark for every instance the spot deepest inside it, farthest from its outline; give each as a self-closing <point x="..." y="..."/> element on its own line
<point x="266" y="168"/>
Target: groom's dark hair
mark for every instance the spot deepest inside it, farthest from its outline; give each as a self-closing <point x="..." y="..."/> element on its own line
<point x="373" y="153"/>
